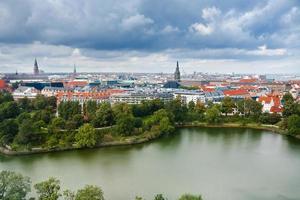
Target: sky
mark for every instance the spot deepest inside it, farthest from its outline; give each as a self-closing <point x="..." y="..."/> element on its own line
<point x="214" y="36"/>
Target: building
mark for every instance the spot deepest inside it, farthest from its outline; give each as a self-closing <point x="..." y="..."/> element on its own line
<point x="271" y="104"/>
<point x="83" y="97"/>
<point x="36" y="68"/>
<point x="23" y="91"/>
<point x="177" y="73"/>
<point x="188" y="96"/>
<point x="53" y="91"/>
<point x="138" y="97"/>
<point x="2" y="84"/>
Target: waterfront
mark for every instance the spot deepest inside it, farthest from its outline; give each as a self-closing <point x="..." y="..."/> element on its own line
<point x="219" y="163"/>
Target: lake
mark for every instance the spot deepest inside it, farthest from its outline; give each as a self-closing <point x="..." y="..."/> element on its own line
<point x="219" y="163"/>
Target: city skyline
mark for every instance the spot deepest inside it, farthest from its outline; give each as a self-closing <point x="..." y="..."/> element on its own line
<point x="150" y="36"/>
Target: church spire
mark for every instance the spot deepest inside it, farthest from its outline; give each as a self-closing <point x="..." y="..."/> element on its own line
<point x="74" y="70"/>
<point x="35" y="68"/>
<point x="177" y="73"/>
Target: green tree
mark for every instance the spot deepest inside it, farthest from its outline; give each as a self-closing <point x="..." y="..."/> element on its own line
<point x="68" y="109"/>
<point x="159" y="197"/>
<point x="190" y="197"/>
<point x="90" y="109"/>
<point x="68" y="195"/>
<point x="86" y="136"/>
<point x="293" y="124"/>
<point x="13" y="186"/>
<point x="213" y="115"/>
<point x="89" y="192"/>
<point x="125" y="124"/>
<point x="28" y="133"/>
<point x="5" y="97"/>
<point x="104" y="116"/>
<point x="48" y="190"/>
<point x="227" y="105"/>
<point x="8" y="130"/>
<point x="9" y="110"/>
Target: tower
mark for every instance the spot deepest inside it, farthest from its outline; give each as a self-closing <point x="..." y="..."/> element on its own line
<point x="74" y="70"/>
<point x="36" y="68"/>
<point x="177" y="73"/>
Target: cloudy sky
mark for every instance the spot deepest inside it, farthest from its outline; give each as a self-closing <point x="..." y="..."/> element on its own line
<point x="259" y="36"/>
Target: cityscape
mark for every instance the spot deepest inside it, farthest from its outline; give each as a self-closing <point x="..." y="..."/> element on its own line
<point x="142" y="100"/>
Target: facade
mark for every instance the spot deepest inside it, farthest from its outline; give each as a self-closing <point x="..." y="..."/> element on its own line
<point x="83" y="97"/>
<point x="271" y="104"/>
<point x="138" y="97"/>
<point x="187" y="96"/>
<point x="53" y="91"/>
<point x="23" y="91"/>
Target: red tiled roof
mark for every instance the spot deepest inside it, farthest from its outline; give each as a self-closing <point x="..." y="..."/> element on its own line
<point x="248" y="80"/>
<point x="235" y="92"/>
<point x="2" y="84"/>
<point x="275" y="109"/>
<point x="87" y="95"/>
<point x="269" y="99"/>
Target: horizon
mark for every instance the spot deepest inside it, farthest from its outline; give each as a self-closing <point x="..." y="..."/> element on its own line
<point x="150" y="36"/>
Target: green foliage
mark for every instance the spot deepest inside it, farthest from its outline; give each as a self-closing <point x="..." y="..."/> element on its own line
<point x="89" y="192"/>
<point x="68" y="195"/>
<point x="293" y="124"/>
<point x="86" y="136"/>
<point x="159" y="197"/>
<point x="9" y="110"/>
<point x="13" y="186"/>
<point x="5" y="97"/>
<point x="213" y="115"/>
<point x="227" y="105"/>
<point x="29" y="133"/>
<point x="104" y="116"/>
<point x="90" y="109"/>
<point x="178" y="109"/>
<point x="48" y="190"/>
<point x="190" y="197"/>
<point x="8" y="130"/>
<point x="268" y="118"/>
<point x="125" y="124"/>
<point x="68" y="109"/>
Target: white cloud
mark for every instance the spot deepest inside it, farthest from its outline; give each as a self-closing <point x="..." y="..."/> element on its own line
<point x="201" y="29"/>
<point x="136" y="21"/>
<point x="210" y="13"/>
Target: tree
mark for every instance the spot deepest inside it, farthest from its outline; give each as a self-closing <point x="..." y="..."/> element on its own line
<point x="86" y="136"/>
<point x="8" y="130"/>
<point x="191" y="106"/>
<point x="25" y="104"/>
<point x="159" y="197"/>
<point x="293" y="124"/>
<point x="9" y="110"/>
<point x="125" y="124"/>
<point x="104" y="116"/>
<point x="190" y="197"/>
<point x="178" y="109"/>
<point x="68" y="109"/>
<point x="28" y="133"/>
<point x="89" y="192"/>
<point x="269" y="118"/>
<point x="90" y="109"/>
<point x="5" y="97"/>
<point x="227" y="105"/>
<point x="213" y="115"/>
<point x="48" y="190"/>
<point x="68" y="195"/>
<point x="13" y="186"/>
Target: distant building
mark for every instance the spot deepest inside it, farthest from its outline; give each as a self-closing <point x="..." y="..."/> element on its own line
<point x="138" y="97"/>
<point x="188" y="96"/>
<point x="171" y="84"/>
<point x="177" y="73"/>
<point x="271" y="103"/>
<point x="23" y="91"/>
<point x="36" y="68"/>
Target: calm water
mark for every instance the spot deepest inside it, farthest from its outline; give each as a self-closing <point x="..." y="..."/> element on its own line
<point x="227" y="164"/>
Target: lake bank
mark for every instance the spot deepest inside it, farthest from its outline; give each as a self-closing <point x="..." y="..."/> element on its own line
<point x="142" y="139"/>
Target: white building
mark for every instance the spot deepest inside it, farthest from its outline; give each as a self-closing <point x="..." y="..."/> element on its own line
<point x="23" y="91"/>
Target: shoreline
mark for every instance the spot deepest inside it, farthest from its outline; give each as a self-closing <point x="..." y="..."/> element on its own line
<point x="134" y="141"/>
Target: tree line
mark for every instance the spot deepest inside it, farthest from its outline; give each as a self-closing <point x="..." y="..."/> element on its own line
<point x="29" y="123"/>
<point x="15" y="186"/>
